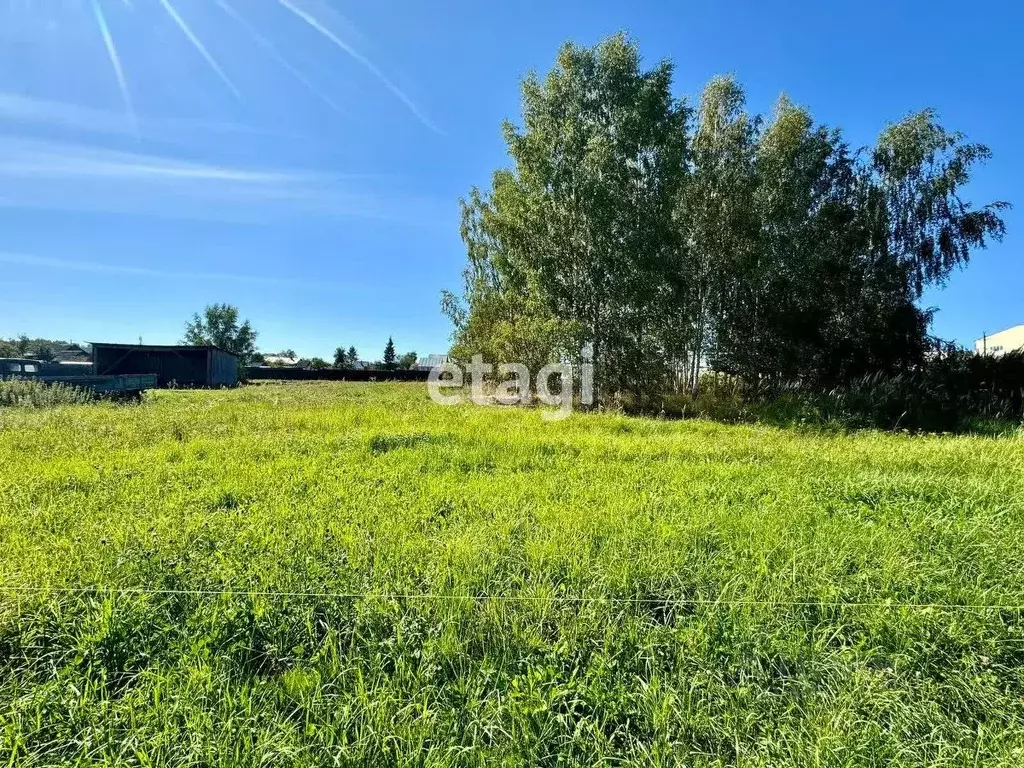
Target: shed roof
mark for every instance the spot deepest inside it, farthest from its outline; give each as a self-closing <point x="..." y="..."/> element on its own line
<point x="73" y="353"/>
<point x="161" y="347"/>
<point x="432" y="361"/>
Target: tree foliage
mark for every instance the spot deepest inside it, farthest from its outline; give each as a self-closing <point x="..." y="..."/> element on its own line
<point x="219" y="326"/>
<point x="45" y="353"/>
<point x="656" y="240"/>
<point x="345" y="358"/>
<point x="24" y="346"/>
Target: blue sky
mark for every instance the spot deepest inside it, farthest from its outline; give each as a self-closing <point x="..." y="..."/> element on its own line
<point x="303" y="159"/>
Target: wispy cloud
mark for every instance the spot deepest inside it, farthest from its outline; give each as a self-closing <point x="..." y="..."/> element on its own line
<point x="372" y="68"/>
<point x="62" y="176"/>
<point x="30" y="111"/>
<point x="28" y="260"/>
<point x="26" y="109"/>
<point x="36" y="159"/>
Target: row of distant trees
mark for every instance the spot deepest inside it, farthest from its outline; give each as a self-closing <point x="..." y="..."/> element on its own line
<point x="220" y="325"/>
<point x="656" y="238"/>
<point x="24" y="346"/>
<point x="391" y="360"/>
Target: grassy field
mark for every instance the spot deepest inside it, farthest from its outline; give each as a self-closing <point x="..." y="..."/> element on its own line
<point x="345" y="574"/>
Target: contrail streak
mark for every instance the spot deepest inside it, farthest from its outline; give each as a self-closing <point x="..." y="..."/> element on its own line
<point x="271" y="49"/>
<point x="199" y="47"/>
<point x="78" y="265"/>
<point x="369" y="65"/>
<point x="115" y="61"/>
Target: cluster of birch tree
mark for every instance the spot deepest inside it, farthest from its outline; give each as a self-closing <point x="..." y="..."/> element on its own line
<point x="657" y="239"/>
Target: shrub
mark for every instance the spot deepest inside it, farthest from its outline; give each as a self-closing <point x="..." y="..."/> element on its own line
<point x="28" y="393"/>
<point x="957" y="391"/>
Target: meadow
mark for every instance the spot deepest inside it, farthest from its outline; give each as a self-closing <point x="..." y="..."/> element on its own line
<point x="349" y="574"/>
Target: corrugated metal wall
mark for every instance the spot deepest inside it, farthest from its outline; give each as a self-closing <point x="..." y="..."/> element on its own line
<point x="223" y="369"/>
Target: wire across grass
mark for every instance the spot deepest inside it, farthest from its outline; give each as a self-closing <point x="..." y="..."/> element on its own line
<point x="349" y="574"/>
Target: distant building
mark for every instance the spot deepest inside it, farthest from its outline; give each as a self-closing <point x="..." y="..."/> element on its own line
<point x="1010" y="340"/>
<point x="431" y="361"/>
<point x="280" y="361"/>
<point x="72" y="354"/>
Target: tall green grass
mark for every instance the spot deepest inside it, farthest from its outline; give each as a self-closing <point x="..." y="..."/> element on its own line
<point x="30" y="393"/>
<point x="348" y="574"/>
<point x="910" y="403"/>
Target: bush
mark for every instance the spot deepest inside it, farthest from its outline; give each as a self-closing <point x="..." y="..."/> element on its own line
<point x="28" y="393"/>
<point x="720" y="398"/>
<point x="957" y="391"/>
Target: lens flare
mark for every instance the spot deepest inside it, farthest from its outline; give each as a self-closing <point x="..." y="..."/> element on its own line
<point x="272" y="51"/>
<point x="115" y="61"/>
<point x="315" y="23"/>
<point x="187" y="31"/>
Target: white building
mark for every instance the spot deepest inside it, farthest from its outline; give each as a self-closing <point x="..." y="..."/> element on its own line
<point x="280" y="361"/>
<point x="1010" y="340"/>
<point x="431" y="361"/>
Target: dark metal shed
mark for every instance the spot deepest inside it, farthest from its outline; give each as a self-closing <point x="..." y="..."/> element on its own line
<point x="173" y="365"/>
